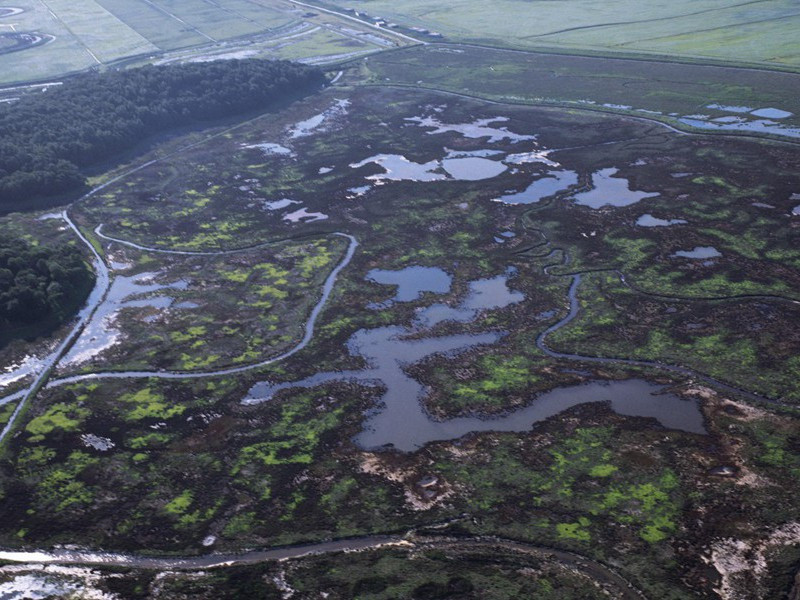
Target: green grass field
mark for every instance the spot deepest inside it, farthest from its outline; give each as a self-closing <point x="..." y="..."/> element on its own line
<point x="89" y="32"/>
<point x="755" y="31"/>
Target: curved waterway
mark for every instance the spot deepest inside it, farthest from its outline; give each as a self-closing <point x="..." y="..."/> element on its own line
<point x="593" y="569"/>
<point x="574" y="309"/>
<point x="327" y="288"/>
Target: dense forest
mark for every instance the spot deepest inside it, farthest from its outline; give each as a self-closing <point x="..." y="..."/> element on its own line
<point x="39" y="286"/>
<point x="47" y="138"/>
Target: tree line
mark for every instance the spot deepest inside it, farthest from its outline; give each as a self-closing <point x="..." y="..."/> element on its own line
<point x="39" y="285"/>
<point x="47" y="138"/>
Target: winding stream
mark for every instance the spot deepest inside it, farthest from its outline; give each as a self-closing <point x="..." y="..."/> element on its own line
<point x="411" y="541"/>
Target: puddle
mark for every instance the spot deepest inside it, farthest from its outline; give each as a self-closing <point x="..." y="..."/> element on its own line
<point x="307" y="127"/>
<point x="651" y="221"/>
<point x="325" y="170"/>
<point x="303" y="216"/>
<point x="399" y="168"/>
<point x="796" y="210"/>
<point x="537" y="156"/>
<point x="30" y="365"/>
<point x="412" y="282"/>
<point x="186" y="305"/>
<point x="476" y="130"/>
<point x="39" y="587"/>
<point x="548" y="185"/>
<point x="359" y="190"/>
<point x="610" y="191"/>
<point x="271" y="149"/>
<point x="102" y="444"/>
<point x="278" y="204"/>
<point x="699" y="252"/>
<point x="733" y="109"/>
<point x="473" y="168"/>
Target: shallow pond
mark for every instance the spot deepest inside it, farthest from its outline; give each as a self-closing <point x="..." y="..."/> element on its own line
<point x="99" y="333"/>
<point x="651" y="221"/>
<point x="271" y="149"/>
<point x="473" y="168"/>
<point x="609" y="190"/>
<point x="307" y="127"/>
<point x="699" y="252"/>
<point x="303" y="216"/>
<point x="398" y="168"/>
<point x="548" y="185"/>
<point x="771" y="113"/>
<point x="278" y="204"/>
<point x="479" y="129"/>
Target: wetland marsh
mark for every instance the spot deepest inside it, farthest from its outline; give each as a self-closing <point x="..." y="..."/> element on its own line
<point x="384" y="309"/>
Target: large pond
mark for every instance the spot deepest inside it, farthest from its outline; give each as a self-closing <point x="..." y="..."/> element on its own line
<point x="412" y="282"/>
<point x="400" y="420"/>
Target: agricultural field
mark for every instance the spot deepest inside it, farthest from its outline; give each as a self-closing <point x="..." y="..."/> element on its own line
<point x="754" y="32"/>
<point x="690" y="97"/>
<point x="40" y="40"/>
<point x="416" y="324"/>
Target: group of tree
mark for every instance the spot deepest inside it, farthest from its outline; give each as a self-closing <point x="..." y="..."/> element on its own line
<point x="47" y="138"/>
<point x="39" y="285"/>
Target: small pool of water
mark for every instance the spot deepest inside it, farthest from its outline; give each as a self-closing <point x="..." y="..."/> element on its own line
<point x="412" y="282"/>
<point x="278" y="204"/>
<point x="548" y="185"/>
<point x="796" y="210"/>
<point x="733" y="109"/>
<point x="303" y="216"/>
<point x="699" y="252"/>
<point x="307" y="127"/>
<point x="609" y="190"/>
<point x="271" y="149"/>
<point x="651" y="221"/>
<point x="359" y="190"/>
